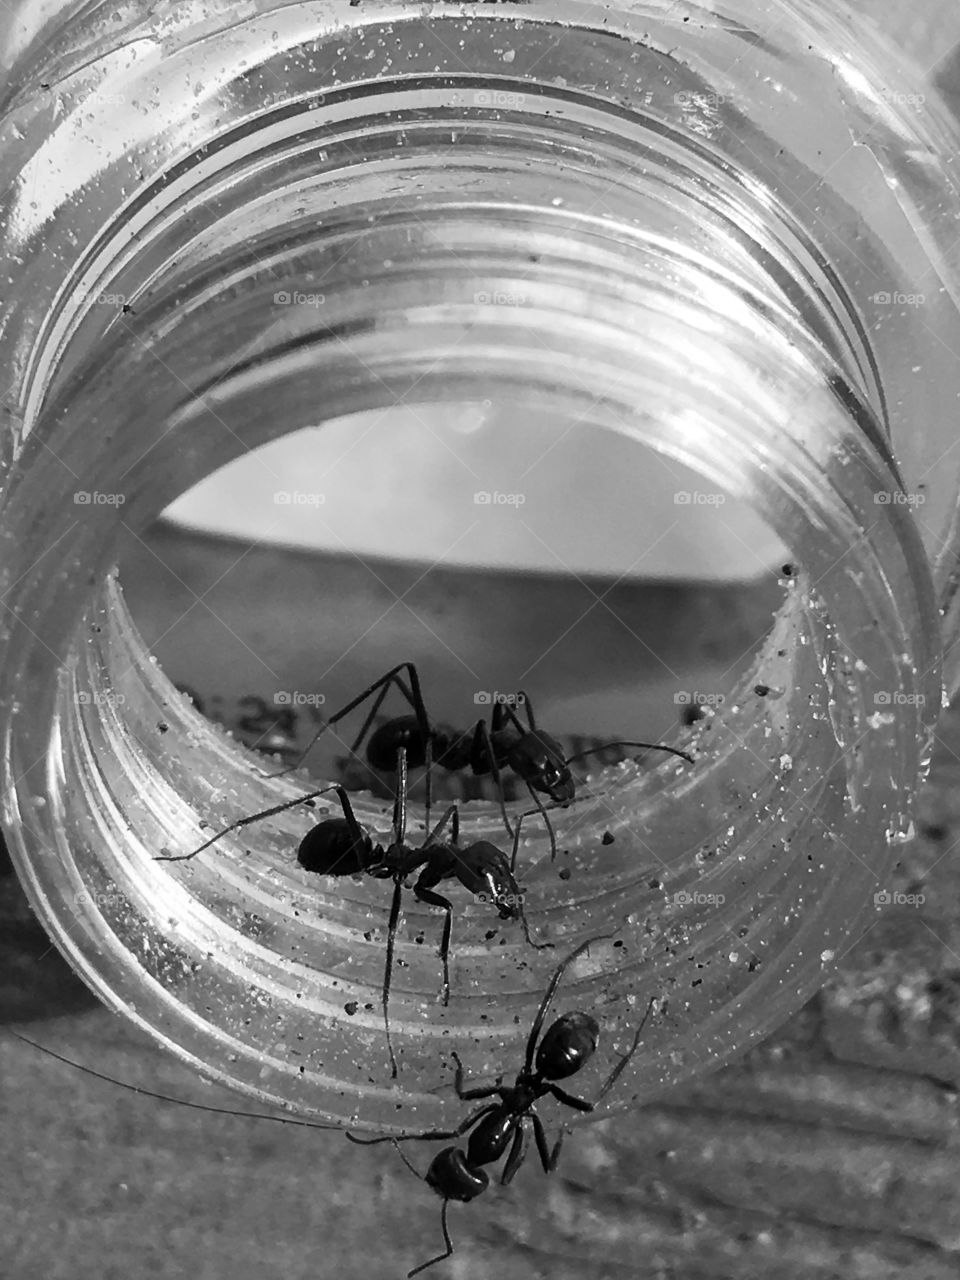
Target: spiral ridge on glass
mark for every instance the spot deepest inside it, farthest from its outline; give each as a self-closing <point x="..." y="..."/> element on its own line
<point x="648" y="184"/>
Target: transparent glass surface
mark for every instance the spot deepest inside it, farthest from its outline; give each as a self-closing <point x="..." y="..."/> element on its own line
<point x="734" y="226"/>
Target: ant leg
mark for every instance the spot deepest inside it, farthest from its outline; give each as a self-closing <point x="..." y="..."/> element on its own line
<point x="527" y="703"/>
<point x="328" y="724"/>
<point x="497" y="716"/>
<point x="578" y="1104"/>
<point x="435" y="900"/>
<point x="518" y="1151"/>
<point x="516" y="843"/>
<point x="428" y="781"/>
<point x="551" y="992"/>
<point x="255" y="817"/>
<point x="388" y="969"/>
<point x="649" y="746"/>
<point x="546" y="822"/>
<point x="452" y="812"/>
<point x="537" y="946"/>
<point x="431" y="1135"/>
<point x="448" y="1243"/>
<point x="614" y="1075"/>
<point x="504" y="711"/>
<point x="482" y="743"/>
<point x="400" y="798"/>
<point x="400" y="810"/>
<point x="531" y="813"/>
<point x="548" y="1158"/>
<point x="470" y="1095"/>
<point x="428" y="878"/>
<point x="392" y="677"/>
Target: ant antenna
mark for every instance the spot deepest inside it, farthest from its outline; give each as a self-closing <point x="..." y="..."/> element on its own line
<point x="162" y="1097"/>
<point x="614" y="1075"/>
<point x="245" y="822"/>
<point x="650" y="746"/>
<point x="403" y="1156"/>
<point x="446" y="1240"/>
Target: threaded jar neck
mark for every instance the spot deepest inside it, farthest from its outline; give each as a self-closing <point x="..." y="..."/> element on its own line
<point x="581" y="226"/>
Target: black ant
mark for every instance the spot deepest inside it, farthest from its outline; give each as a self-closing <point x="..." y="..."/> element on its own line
<point x="566" y="1046"/>
<point x="340" y="847"/>
<point x="530" y="752"/>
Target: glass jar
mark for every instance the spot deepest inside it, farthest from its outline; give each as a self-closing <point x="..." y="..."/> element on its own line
<point x="734" y="224"/>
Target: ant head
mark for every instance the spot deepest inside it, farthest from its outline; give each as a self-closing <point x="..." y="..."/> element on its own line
<point x="499" y="888"/>
<point x="509" y="907"/>
<point x="557" y="780"/>
<point x="453" y="1178"/>
<point x="546" y="767"/>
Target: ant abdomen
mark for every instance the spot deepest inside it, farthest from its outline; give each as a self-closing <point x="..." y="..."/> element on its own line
<point x="329" y="849"/>
<point x="450" y="749"/>
<point x="384" y="743"/>
<point x="567" y="1045"/>
<point x="452" y="1177"/>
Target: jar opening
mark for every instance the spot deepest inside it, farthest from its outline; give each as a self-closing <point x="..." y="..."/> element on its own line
<point x="669" y="300"/>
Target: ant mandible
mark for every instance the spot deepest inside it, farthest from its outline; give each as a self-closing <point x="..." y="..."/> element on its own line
<point x="566" y="1046"/>
<point x="531" y="753"/>
<point x="340" y="847"/>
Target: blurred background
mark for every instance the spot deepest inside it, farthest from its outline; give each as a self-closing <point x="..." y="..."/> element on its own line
<point x="616" y="587"/>
<point x="409" y="483"/>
